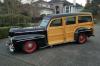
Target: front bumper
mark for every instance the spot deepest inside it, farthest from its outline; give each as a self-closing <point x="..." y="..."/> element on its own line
<point x="10" y="45"/>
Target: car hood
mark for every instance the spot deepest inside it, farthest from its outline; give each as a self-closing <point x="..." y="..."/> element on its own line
<point x="24" y="31"/>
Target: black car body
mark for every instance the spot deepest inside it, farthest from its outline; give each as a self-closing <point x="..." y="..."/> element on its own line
<point x="18" y="36"/>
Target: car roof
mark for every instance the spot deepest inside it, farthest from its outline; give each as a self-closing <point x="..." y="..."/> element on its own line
<point x="68" y="14"/>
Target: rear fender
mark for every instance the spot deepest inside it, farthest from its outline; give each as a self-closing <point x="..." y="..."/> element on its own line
<point x="87" y="31"/>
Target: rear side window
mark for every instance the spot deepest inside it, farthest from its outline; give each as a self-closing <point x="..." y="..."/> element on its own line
<point x="70" y="20"/>
<point x="82" y="19"/>
<point x="56" y="22"/>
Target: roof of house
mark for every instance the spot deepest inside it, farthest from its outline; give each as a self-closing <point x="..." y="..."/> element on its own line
<point x="60" y="1"/>
<point x="40" y="1"/>
<point x="65" y="2"/>
<point x="78" y="5"/>
<point x="55" y="1"/>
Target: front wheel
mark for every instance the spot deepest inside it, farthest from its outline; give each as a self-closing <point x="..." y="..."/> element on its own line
<point x="29" y="47"/>
<point x="82" y="38"/>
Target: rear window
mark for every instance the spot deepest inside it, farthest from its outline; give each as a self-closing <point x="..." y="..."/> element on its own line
<point x="82" y="19"/>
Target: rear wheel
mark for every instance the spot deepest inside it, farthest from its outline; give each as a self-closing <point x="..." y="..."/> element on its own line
<point x="82" y="38"/>
<point x="29" y="47"/>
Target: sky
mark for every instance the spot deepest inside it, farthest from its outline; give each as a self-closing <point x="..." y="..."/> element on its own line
<point x="83" y="2"/>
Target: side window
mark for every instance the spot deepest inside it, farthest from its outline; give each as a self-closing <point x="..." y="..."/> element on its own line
<point x="56" y="22"/>
<point x="82" y="19"/>
<point x="70" y="20"/>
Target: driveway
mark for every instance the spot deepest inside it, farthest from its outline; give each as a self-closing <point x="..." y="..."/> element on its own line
<point x="69" y="54"/>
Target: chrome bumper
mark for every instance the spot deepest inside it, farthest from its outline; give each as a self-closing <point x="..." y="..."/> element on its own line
<point x="10" y="45"/>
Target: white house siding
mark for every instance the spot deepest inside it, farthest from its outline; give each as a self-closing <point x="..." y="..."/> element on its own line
<point x="60" y="5"/>
<point x="44" y="7"/>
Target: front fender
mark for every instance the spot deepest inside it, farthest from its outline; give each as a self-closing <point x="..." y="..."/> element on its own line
<point x="27" y="37"/>
<point x="18" y="41"/>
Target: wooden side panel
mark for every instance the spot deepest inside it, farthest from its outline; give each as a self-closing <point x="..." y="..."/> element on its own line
<point x="55" y="35"/>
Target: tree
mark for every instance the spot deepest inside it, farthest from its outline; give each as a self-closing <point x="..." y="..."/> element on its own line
<point x="96" y="2"/>
<point x="1" y="7"/>
<point x="93" y="7"/>
<point x="12" y="6"/>
<point x="34" y="9"/>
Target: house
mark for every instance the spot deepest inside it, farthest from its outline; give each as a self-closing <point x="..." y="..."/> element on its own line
<point x="56" y="7"/>
<point x="60" y="6"/>
<point x="76" y="8"/>
<point x="63" y="6"/>
<point x="43" y="6"/>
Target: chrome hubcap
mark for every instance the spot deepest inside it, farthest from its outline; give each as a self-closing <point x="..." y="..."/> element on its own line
<point x="30" y="45"/>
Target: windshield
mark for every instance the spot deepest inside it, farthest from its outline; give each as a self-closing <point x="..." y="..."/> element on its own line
<point x="44" y="22"/>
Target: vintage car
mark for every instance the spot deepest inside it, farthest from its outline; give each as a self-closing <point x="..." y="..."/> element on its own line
<point x="53" y="30"/>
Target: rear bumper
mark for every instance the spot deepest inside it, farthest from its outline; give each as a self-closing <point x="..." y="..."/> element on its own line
<point x="90" y="32"/>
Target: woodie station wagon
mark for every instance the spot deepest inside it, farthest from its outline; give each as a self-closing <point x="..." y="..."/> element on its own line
<point x="53" y="30"/>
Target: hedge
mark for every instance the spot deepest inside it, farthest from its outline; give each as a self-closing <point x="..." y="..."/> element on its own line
<point x="4" y="32"/>
<point x="14" y="20"/>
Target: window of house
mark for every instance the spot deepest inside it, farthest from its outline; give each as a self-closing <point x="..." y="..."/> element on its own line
<point x="82" y="19"/>
<point x="70" y="20"/>
<point x="67" y="9"/>
<point x="57" y="9"/>
<point x="57" y="12"/>
<point x="56" y="22"/>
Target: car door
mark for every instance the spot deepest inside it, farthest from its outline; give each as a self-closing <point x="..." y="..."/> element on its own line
<point x="70" y="28"/>
<point x="55" y="31"/>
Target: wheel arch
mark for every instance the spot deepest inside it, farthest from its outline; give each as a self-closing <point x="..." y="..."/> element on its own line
<point x="80" y="30"/>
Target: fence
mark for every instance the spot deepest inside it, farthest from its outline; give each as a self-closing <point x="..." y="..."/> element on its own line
<point x="14" y="20"/>
<point x="17" y="20"/>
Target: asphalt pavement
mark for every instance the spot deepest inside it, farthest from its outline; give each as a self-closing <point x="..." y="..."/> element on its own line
<point x="69" y="54"/>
